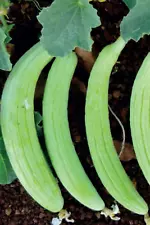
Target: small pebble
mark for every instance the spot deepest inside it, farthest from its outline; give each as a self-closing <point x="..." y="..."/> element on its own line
<point x="17" y="212"/>
<point x="8" y="211"/>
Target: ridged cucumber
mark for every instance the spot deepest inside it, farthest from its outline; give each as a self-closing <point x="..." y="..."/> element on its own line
<point x="103" y="153"/>
<point x="58" y="139"/>
<point x="19" y="133"/>
<point x="140" y="117"/>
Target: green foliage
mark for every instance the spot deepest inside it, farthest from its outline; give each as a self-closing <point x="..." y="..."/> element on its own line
<point x="137" y="23"/>
<point x="5" y="63"/>
<point x="4" y="3"/>
<point x="7" y="30"/>
<point x="7" y="174"/>
<point x="5" y="38"/>
<point x="130" y="3"/>
<point x="67" y="25"/>
<point x="38" y="119"/>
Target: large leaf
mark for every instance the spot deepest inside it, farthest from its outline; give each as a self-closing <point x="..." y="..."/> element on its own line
<point x="137" y="23"/>
<point x="66" y="25"/>
<point x="130" y="3"/>
<point x="5" y="63"/>
<point x="7" y="174"/>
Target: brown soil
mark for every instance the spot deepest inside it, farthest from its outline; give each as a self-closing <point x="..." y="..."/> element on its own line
<point x="16" y="207"/>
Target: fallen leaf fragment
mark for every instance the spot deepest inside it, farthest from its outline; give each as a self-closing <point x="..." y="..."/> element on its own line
<point x="86" y="58"/>
<point x="128" y="152"/>
<point x="79" y="85"/>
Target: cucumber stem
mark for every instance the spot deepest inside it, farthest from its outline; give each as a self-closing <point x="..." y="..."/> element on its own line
<point x="147" y="219"/>
<point x="111" y="213"/>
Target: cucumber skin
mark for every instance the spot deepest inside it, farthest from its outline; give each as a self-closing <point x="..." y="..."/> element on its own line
<point x="57" y="135"/>
<point x="139" y="117"/>
<point x="103" y="153"/>
<point x="19" y="132"/>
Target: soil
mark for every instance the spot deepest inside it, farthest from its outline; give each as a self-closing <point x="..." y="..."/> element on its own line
<point x="16" y="206"/>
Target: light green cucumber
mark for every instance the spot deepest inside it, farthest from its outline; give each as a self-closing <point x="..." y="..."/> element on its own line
<point x="140" y="117"/>
<point x="57" y="135"/>
<point x="103" y="153"/>
<point x="19" y="133"/>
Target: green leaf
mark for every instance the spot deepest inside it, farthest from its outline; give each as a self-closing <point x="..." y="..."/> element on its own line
<point x="137" y="23"/>
<point x="9" y="28"/>
<point x="38" y="119"/>
<point x="67" y="25"/>
<point x="130" y="3"/>
<point x="4" y="3"/>
<point x="3" y="171"/>
<point x="5" y="63"/>
<point x="7" y="174"/>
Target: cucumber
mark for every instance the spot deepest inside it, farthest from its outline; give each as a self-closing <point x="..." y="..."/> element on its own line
<point x="19" y="132"/>
<point x="57" y="135"/>
<point x="103" y="153"/>
<point x="140" y="117"/>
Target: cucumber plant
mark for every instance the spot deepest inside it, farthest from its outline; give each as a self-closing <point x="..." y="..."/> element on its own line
<point x="18" y="125"/>
<point x="79" y="18"/>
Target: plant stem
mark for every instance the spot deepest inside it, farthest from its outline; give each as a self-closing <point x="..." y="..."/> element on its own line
<point x="147" y="219"/>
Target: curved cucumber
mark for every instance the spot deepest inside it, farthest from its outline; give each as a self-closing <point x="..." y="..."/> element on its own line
<point x="140" y="117"/>
<point x="58" y="139"/>
<point x="19" y="133"/>
<point x="105" y="158"/>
